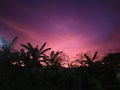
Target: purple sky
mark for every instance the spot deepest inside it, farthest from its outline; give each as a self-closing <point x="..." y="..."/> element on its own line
<point x="68" y="25"/>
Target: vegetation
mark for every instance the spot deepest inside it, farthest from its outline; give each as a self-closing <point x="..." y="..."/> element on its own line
<point x="32" y="69"/>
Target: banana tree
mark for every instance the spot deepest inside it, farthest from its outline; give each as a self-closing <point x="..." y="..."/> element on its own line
<point x="54" y="59"/>
<point x="7" y="48"/>
<point x="34" y="54"/>
<point x="94" y="67"/>
<point x="89" y="61"/>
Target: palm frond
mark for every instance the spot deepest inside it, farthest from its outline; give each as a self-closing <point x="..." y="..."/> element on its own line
<point x="11" y="45"/>
<point x="87" y="57"/>
<point x="94" y="56"/>
<point x="45" y="50"/>
<point x="25" y="46"/>
<point x="52" y="54"/>
<point x="42" y="47"/>
<point x="57" y="53"/>
<point x="30" y="47"/>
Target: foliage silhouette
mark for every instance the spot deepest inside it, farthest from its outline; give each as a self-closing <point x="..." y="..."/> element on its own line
<point x="112" y="59"/>
<point x="7" y="47"/>
<point x="25" y="71"/>
<point x="89" y="61"/>
<point x="112" y="67"/>
<point x="7" y="53"/>
<point x="34" y="54"/>
<point x="54" y="60"/>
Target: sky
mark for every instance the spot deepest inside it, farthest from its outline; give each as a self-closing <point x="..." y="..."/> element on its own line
<point x="71" y="26"/>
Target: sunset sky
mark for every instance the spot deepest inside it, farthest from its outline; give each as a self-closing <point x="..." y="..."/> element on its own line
<point x="68" y="25"/>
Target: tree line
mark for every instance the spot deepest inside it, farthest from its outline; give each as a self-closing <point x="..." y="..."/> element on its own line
<point x="31" y="68"/>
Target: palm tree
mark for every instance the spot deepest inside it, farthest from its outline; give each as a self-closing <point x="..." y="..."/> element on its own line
<point x="34" y="54"/>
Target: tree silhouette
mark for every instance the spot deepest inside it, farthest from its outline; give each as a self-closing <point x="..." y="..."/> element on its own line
<point x="89" y="61"/>
<point x="54" y="59"/>
<point x="112" y="59"/>
<point x="94" y="67"/>
<point x="92" y="74"/>
<point x="6" y="49"/>
<point x="34" y="54"/>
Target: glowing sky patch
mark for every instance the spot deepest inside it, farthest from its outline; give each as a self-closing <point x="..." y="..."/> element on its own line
<point x="68" y="25"/>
